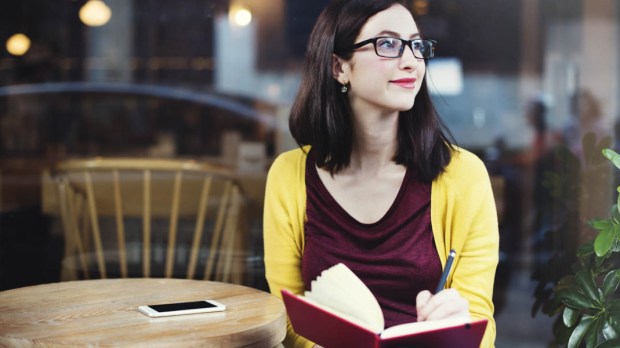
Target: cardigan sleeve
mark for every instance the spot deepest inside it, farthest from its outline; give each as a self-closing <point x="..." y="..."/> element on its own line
<point x="282" y="230"/>
<point x="469" y="225"/>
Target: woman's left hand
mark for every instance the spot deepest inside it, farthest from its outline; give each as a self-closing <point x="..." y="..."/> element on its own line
<point x="444" y="304"/>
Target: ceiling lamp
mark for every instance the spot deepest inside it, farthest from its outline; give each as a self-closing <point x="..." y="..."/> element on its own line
<point x="242" y="16"/>
<point x="18" y="44"/>
<point x="95" y="13"/>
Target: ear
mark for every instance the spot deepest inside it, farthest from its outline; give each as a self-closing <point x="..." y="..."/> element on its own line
<point x="339" y="69"/>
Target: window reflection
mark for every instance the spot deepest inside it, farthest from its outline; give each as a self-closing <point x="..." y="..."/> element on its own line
<point x="537" y="101"/>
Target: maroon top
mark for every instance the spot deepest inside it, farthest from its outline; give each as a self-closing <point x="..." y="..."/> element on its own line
<point x="395" y="256"/>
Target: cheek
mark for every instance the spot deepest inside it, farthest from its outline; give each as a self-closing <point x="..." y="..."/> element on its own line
<point x="369" y="72"/>
<point x="375" y="79"/>
<point x="421" y="69"/>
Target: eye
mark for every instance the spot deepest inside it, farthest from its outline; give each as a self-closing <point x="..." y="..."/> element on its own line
<point x="423" y="46"/>
<point x="388" y="43"/>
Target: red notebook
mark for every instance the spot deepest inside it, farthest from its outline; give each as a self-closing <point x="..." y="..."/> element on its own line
<point x="327" y="329"/>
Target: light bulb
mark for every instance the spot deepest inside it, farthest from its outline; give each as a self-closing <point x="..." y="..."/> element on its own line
<point x="95" y="13"/>
<point x="242" y="17"/>
<point x="18" y="44"/>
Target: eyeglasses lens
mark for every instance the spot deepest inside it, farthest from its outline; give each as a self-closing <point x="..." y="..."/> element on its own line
<point x="392" y="48"/>
<point x="423" y="49"/>
<point x="388" y="47"/>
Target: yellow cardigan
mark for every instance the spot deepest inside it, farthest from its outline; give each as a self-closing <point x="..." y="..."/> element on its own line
<point x="463" y="217"/>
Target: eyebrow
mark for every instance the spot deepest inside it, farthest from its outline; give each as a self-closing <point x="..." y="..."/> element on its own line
<point x="395" y="34"/>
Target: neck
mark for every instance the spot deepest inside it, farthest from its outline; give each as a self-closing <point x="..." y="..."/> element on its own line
<point x="375" y="142"/>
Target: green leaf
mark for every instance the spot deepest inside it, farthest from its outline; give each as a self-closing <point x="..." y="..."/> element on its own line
<point x="599" y="260"/>
<point x="580" y="331"/>
<point x="609" y="344"/>
<point x="560" y="331"/>
<point x="608" y="331"/>
<point x="612" y="156"/>
<point x="611" y="282"/>
<point x="613" y="305"/>
<point x="585" y="249"/>
<point x="575" y="299"/>
<point x="601" y="224"/>
<point x="591" y="337"/>
<point x="585" y="282"/>
<point x="604" y="241"/>
<point x="570" y="316"/>
<point x="614" y="320"/>
<point x="553" y="307"/>
<point x="567" y="281"/>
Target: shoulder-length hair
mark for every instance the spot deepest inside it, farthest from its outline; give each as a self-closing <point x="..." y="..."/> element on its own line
<point x="321" y="115"/>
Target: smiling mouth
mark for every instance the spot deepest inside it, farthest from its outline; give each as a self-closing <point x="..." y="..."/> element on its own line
<point x="405" y="83"/>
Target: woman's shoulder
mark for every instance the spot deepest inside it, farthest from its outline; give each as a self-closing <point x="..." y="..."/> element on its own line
<point x="292" y="162"/>
<point x="464" y="160"/>
<point x="291" y="157"/>
<point x="464" y="171"/>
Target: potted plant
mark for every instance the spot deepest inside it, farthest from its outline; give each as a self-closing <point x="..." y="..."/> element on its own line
<point x="586" y="299"/>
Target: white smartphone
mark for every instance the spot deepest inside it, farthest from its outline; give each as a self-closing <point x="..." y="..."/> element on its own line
<point x="180" y="308"/>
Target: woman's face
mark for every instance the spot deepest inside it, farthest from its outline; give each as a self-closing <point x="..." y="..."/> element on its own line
<point x="384" y="84"/>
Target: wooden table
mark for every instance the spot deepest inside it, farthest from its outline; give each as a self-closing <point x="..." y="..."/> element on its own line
<point x="104" y="313"/>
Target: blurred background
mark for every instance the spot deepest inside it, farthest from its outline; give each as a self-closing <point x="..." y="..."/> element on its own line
<point x="531" y="86"/>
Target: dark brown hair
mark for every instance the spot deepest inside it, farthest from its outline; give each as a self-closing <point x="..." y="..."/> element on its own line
<point x="321" y="115"/>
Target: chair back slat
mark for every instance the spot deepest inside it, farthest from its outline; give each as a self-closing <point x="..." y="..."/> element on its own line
<point x="82" y="236"/>
<point x="120" y="225"/>
<point x="72" y="236"/>
<point x="146" y="225"/>
<point x="199" y="228"/>
<point x="78" y="200"/>
<point x="217" y="232"/>
<point x="64" y="219"/>
<point x="174" y="217"/>
<point x="150" y="218"/>
<point x="92" y="209"/>
<point x="228" y="245"/>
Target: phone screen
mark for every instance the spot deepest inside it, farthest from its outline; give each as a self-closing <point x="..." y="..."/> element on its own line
<point x="171" y="307"/>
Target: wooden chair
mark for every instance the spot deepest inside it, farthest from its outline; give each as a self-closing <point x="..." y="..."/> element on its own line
<point x="150" y="218"/>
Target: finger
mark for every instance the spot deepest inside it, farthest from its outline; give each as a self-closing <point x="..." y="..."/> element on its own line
<point x="421" y="302"/>
<point x="444" y="304"/>
<point x="423" y="297"/>
<point x="451" y="307"/>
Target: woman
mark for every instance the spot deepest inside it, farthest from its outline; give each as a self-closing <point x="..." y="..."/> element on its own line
<point x="376" y="183"/>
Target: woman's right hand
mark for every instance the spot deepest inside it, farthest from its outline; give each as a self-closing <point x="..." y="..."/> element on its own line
<point x="446" y="303"/>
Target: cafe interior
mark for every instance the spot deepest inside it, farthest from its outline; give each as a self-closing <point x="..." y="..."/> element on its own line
<point x="136" y="135"/>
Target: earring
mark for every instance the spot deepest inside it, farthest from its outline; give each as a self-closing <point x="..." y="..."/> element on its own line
<point x="344" y="88"/>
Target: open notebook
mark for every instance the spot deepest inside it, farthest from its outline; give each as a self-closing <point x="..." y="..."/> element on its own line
<point x="340" y="311"/>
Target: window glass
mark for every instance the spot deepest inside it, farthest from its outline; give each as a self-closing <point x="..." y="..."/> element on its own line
<point x="531" y="87"/>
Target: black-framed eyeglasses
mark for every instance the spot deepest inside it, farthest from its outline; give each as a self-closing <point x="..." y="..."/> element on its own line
<point x="392" y="47"/>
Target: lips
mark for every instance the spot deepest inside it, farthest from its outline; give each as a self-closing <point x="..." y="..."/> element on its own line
<point x="405" y="83"/>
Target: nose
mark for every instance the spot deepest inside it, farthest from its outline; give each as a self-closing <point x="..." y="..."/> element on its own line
<point x="408" y="61"/>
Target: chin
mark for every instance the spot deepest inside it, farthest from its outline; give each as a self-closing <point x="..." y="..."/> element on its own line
<point x="404" y="106"/>
<point x="404" y="102"/>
